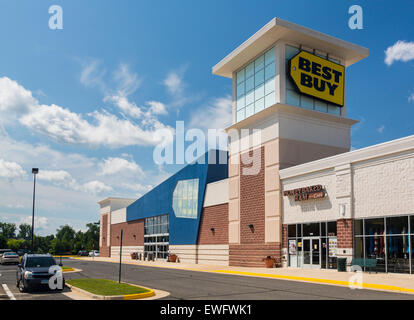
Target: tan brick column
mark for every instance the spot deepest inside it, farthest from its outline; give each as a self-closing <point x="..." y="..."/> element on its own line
<point x="234" y="199"/>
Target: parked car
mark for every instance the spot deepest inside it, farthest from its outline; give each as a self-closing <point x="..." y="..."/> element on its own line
<point x="9" y="257"/>
<point x="83" y="253"/>
<point x="21" y="252"/>
<point x="33" y="272"/>
<point x="94" y="253"/>
<point x="4" y="250"/>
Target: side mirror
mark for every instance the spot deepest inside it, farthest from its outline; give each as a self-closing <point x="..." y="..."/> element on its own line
<point x="19" y="265"/>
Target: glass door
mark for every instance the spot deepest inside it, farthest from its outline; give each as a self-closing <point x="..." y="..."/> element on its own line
<point x="312" y="252"/>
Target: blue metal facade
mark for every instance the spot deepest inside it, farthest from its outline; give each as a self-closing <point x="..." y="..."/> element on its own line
<point x="158" y="201"/>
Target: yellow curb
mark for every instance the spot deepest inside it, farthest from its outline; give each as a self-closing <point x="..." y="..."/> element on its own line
<point x="326" y="281"/>
<point x="151" y="293"/>
<point x="68" y="270"/>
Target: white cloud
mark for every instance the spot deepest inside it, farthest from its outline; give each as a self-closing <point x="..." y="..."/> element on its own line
<point x="174" y="82"/>
<point x="157" y="107"/>
<point x="96" y="187"/>
<point x="411" y="98"/>
<point x="40" y="223"/>
<point x="400" y="51"/>
<point x="54" y="175"/>
<point x="63" y="125"/>
<point x="128" y="82"/>
<point x="14" y="99"/>
<point x="381" y="129"/>
<point x="92" y="75"/>
<point x="11" y="170"/>
<point x="116" y="165"/>
<point x="129" y="108"/>
<point x="216" y="115"/>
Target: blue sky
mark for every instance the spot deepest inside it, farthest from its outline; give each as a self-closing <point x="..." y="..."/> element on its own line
<point x="83" y="103"/>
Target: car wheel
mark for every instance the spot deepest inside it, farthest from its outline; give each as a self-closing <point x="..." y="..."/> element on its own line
<point x="21" y="286"/>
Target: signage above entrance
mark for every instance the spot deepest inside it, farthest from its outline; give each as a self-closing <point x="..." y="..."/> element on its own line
<point x="318" y="77"/>
<point x="306" y="193"/>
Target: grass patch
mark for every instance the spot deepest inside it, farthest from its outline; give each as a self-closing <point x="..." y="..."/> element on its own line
<point x="66" y="268"/>
<point x="105" y="287"/>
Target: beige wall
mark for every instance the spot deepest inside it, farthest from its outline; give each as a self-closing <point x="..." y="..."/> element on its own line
<point x="371" y="182"/>
<point x="216" y="193"/>
<point x="202" y="254"/>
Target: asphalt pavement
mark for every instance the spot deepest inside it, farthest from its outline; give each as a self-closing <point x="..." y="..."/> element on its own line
<point x="193" y="285"/>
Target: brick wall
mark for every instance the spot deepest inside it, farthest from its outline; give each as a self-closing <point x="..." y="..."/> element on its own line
<point x="130" y="229"/>
<point x="252" y="203"/>
<point x="284" y="236"/>
<point x="252" y="255"/>
<point x="104" y="250"/>
<point x="344" y="229"/>
<point x="216" y="217"/>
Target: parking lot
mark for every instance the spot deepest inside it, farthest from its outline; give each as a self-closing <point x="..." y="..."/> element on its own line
<point x="193" y="285"/>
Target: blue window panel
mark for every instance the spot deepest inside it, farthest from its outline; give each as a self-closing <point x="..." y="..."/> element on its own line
<point x="289" y="84"/>
<point x="259" y="63"/>
<point x="270" y="56"/>
<point x="321" y="106"/>
<point x="250" y="110"/>
<point x="240" y="115"/>
<point x="183" y="208"/>
<point x="259" y="78"/>
<point x="259" y="92"/>
<point x="241" y="103"/>
<point x="291" y="52"/>
<point x="259" y="105"/>
<point x="306" y="102"/>
<point x="250" y="98"/>
<point x="249" y="84"/>
<point x="270" y="71"/>
<point x="250" y="70"/>
<point x="269" y="100"/>
<point x="269" y="86"/>
<point x="292" y="98"/>
<point x="332" y="109"/>
<point x="240" y="76"/>
<point x="240" y="90"/>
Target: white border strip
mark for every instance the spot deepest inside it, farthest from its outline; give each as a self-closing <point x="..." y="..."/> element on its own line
<point x="9" y="293"/>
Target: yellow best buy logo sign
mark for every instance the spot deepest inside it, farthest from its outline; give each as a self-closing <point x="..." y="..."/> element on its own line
<point x="318" y="77"/>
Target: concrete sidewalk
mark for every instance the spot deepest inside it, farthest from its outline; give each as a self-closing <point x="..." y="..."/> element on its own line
<point x="402" y="283"/>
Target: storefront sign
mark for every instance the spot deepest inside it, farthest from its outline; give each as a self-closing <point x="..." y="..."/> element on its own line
<point x="306" y="193"/>
<point x="318" y="77"/>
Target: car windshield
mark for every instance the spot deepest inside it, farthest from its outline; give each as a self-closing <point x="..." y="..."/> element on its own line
<point x="40" y="262"/>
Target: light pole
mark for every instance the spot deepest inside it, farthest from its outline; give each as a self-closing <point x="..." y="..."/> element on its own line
<point x="35" y="171"/>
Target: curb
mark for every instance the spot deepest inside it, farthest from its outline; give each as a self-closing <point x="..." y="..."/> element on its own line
<point x="135" y="296"/>
<point x="370" y="286"/>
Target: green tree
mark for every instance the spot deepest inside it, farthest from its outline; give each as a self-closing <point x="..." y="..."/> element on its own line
<point x="65" y="233"/>
<point x="8" y="230"/>
<point x="92" y="236"/>
<point x="25" y="231"/>
<point x="16" y="244"/>
<point x="3" y="242"/>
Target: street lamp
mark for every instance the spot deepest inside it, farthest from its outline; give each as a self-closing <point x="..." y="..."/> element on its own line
<point x="35" y="171"/>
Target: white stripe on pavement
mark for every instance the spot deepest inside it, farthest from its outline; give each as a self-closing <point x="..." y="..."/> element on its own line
<point x="9" y="293"/>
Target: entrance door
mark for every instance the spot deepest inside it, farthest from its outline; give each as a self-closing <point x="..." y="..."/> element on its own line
<point x="312" y="252"/>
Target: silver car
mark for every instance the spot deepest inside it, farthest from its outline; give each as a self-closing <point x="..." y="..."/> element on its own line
<point x="9" y="257"/>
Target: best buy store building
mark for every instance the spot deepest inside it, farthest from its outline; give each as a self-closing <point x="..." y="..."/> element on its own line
<point x="312" y="200"/>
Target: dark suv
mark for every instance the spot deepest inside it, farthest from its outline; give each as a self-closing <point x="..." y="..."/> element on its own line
<point x="33" y="272"/>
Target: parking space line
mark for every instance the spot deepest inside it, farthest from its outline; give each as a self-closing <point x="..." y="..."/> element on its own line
<point x="8" y="292"/>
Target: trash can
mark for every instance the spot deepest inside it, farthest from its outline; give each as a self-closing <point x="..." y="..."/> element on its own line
<point x="341" y="264"/>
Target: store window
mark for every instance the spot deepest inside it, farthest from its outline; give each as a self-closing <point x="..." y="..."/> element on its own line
<point x="312" y="244"/>
<point x="255" y="86"/>
<point x="300" y="100"/>
<point x="185" y="199"/>
<point x="387" y="240"/>
<point x="156" y="237"/>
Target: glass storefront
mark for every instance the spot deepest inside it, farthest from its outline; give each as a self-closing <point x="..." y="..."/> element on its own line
<point x="156" y="237"/>
<point x="388" y="240"/>
<point x="312" y="245"/>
